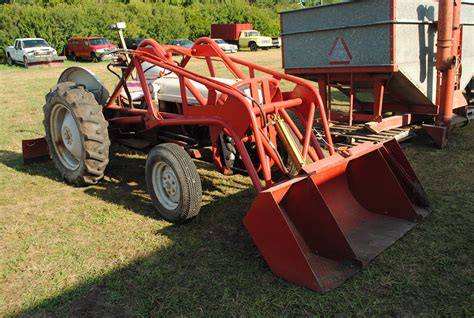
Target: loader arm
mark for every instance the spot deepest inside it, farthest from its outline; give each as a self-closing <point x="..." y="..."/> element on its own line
<point x="235" y="111"/>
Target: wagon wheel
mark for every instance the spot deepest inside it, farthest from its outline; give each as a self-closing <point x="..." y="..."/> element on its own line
<point x="173" y="183"/>
<point x="76" y="132"/>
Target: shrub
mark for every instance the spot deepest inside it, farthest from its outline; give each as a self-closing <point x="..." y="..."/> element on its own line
<point x="58" y="20"/>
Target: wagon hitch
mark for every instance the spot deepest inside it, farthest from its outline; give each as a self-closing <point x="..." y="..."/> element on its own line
<point x="318" y="229"/>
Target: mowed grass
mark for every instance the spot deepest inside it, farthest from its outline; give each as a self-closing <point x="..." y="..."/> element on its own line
<point x="102" y="250"/>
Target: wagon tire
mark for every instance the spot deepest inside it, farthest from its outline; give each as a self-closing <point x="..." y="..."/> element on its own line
<point x="253" y="46"/>
<point x="76" y="133"/>
<point x="173" y="183"/>
<point x="9" y="60"/>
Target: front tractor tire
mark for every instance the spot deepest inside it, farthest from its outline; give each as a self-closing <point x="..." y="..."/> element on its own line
<point x="173" y="183"/>
<point x="76" y="133"/>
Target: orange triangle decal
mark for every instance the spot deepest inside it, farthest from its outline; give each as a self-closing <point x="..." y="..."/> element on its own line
<point x="340" y="53"/>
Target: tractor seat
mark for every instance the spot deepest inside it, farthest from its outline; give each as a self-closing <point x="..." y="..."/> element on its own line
<point x="135" y="89"/>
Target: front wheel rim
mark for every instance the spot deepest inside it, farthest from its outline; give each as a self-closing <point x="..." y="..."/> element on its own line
<point x="66" y="137"/>
<point x="166" y="185"/>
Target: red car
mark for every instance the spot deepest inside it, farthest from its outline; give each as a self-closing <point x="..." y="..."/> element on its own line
<point x="88" y="48"/>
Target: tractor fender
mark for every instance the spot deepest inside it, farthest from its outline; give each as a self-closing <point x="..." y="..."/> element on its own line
<point x="88" y="79"/>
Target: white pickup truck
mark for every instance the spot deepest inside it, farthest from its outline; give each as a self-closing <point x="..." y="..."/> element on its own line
<point x="28" y="51"/>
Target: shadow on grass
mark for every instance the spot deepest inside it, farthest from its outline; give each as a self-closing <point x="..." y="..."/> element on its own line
<point x="208" y="255"/>
<point x="124" y="183"/>
<point x="211" y="266"/>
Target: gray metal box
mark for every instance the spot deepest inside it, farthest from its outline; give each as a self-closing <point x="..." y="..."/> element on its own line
<point x="378" y="36"/>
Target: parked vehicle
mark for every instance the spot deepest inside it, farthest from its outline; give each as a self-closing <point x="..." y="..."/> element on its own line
<point x="29" y="51"/>
<point x="132" y="43"/>
<point x="276" y="42"/>
<point x="94" y="48"/>
<point x="182" y="42"/>
<point x="242" y="35"/>
<point x="226" y="47"/>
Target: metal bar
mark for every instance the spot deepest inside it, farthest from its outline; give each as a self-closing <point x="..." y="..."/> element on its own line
<point x="449" y="15"/>
<point x="296" y="131"/>
<point x="388" y="68"/>
<point x="126" y="120"/>
<point x="363" y="25"/>
<point x="379" y="89"/>
<point x="351" y="101"/>
<point x="152" y="111"/>
<point x="212" y="71"/>
<point x="196" y="93"/>
<point x="329" y="94"/>
<point x="227" y="61"/>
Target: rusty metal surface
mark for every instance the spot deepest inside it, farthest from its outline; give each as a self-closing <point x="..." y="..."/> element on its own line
<point x="349" y="136"/>
<point x="35" y="150"/>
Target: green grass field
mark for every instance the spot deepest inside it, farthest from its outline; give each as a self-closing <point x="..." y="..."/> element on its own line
<point x="102" y="251"/>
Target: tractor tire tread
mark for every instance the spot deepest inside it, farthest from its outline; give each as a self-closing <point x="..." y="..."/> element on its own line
<point x="93" y="127"/>
<point x="191" y="175"/>
<point x="187" y="174"/>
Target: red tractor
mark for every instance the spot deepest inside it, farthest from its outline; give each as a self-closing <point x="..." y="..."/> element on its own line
<point x="320" y="214"/>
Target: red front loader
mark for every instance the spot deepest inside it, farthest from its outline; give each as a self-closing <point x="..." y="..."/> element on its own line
<point x="320" y="214"/>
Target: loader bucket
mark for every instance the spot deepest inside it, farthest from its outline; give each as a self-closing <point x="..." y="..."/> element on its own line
<point x="318" y="229"/>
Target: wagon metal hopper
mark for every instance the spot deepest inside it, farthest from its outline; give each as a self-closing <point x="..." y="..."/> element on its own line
<point x="397" y="61"/>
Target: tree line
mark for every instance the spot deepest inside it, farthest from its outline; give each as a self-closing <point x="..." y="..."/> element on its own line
<point x="58" y="20"/>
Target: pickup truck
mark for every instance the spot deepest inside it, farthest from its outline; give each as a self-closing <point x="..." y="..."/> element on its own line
<point x="241" y="34"/>
<point x="29" y="51"/>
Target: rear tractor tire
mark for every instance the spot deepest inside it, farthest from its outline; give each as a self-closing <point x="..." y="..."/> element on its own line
<point x="76" y="132"/>
<point x="173" y="183"/>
